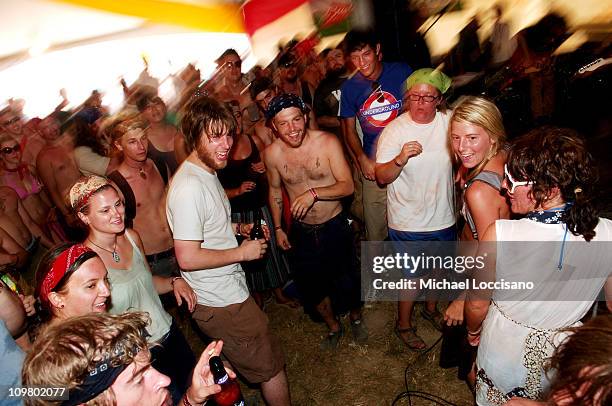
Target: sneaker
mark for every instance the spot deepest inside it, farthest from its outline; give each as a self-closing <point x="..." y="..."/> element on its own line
<point x="332" y="341"/>
<point x="359" y="331"/>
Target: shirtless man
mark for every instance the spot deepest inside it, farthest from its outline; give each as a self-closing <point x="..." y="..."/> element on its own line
<point x="145" y="196"/>
<point x="262" y="91"/>
<point x="311" y="166"/>
<point x="57" y="168"/>
<point x="233" y="87"/>
<point x="31" y="144"/>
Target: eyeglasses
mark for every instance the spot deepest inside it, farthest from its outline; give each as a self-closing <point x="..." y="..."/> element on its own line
<point x="236" y="64"/>
<point x="418" y="98"/>
<point x="514" y="183"/>
<point x="11" y="121"/>
<point x="10" y="150"/>
<point x="377" y="88"/>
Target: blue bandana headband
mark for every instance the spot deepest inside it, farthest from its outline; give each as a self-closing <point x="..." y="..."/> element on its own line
<point x="101" y="376"/>
<point x="285" y="101"/>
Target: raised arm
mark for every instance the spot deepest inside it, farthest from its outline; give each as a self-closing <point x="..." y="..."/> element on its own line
<point x="389" y="171"/>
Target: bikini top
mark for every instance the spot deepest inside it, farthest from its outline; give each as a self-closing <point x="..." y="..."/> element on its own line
<point x="28" y="183"/>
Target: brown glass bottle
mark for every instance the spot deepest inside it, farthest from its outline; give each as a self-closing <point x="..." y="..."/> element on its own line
<point x="230" y="394"/>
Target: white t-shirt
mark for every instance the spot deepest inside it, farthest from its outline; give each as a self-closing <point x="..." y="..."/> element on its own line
<point x="198" y="210"/>
<point x="89" y="162"/>
<point x="421" y="198"/>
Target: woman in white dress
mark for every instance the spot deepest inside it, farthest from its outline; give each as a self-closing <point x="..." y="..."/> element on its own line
<point x="557" y="246"/>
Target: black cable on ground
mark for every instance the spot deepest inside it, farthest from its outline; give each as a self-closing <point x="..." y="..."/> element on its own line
<point x="420" y="394"/>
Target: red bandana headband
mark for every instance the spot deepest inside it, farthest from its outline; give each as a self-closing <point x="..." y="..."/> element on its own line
<point x="60" y="266"/>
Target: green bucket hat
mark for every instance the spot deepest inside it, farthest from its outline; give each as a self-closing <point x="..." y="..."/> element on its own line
<point x="429" y="76"/>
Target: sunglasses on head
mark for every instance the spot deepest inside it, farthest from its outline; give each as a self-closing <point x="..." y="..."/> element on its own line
<point x="10" y="150"/>
<point x="11" y="121"/>
<point x="514" y="183"/>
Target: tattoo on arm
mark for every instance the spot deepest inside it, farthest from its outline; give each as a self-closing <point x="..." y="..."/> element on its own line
<point x="279" y="203"/>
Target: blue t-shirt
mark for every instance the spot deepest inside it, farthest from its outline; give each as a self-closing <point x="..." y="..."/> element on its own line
<point x="373" y="105"/>
<point x="12" y="361"/>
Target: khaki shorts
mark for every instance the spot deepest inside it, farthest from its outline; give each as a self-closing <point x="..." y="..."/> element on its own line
<point x="247" y="341"/>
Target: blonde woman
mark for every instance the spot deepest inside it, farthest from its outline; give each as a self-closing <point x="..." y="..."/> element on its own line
<point x="476" y="136"/>
<point x="133" y="288"/>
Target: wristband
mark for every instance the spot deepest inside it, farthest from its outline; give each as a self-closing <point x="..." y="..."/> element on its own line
<point x="314" y="194"/>
<point x="475" y="333"/>
<point x="174" y="280"/>
<point x="397" y="164"/>
<point x="278" y="228"/>
<point x="186" y="401"/>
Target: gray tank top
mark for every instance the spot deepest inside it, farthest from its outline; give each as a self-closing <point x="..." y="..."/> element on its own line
<point x="492" y="179"/>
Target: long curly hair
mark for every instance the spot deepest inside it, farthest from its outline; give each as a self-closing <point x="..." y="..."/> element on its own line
<point x="554" y="157"/>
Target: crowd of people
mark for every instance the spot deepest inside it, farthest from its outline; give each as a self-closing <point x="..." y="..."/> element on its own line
<point x="101" y="214"/>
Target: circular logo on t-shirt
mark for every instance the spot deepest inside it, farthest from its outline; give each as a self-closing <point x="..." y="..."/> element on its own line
<point x="380" y="108"/>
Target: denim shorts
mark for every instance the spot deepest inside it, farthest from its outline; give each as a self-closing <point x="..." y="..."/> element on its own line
<point x="423" y="243"/>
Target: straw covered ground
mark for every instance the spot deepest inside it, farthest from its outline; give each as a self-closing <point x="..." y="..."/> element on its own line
<point x="372" y="374"/>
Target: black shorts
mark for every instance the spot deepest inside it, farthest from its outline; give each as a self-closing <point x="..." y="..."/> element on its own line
<point x="324" y="263"/>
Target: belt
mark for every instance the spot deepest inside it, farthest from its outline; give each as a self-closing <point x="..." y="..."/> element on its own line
<point x="160" y="255"/>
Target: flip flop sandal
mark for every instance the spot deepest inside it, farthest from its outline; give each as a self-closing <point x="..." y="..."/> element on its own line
<point x="412" y="340"/>
<point x="435" y="318"/>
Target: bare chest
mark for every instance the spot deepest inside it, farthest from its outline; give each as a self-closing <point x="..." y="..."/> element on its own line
<point x="148" y="190"/>
<point x="304" y="169"/>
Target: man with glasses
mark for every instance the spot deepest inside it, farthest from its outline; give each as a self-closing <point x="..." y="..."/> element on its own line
<point x="373" y="98"/>
<point x="233" y="87"/>
<point x="208" y="254"/>
<point x="290" y="81"/>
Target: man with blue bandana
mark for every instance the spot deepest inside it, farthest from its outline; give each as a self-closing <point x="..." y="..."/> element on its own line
<point x="372" y="98"/>
<point x="311" y="166"/>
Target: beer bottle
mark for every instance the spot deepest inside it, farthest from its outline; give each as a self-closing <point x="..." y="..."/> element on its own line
<point x="230" y="394"/>
<point x="257" y="232"/>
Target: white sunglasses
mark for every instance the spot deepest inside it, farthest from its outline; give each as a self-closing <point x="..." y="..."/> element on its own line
<point x="514" y="183"/>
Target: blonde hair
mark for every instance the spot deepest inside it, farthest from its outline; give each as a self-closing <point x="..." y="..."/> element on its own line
<point x="485" y="114"/>
<point x="65" y="353"/>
